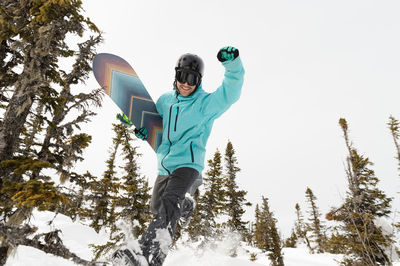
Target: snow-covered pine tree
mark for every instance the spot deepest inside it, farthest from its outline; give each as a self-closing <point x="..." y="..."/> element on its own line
<point x="235" y="198"/>
<point x="363" y="205"/>
<point x="36" y="97"/>
<point x="315" y="225"/>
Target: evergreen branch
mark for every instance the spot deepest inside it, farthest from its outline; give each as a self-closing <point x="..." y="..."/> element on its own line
<point x="49" y="242"/>
<point x="81" y="67"/>
<point x="95" y="98"/>
<point x="367" y="252"/>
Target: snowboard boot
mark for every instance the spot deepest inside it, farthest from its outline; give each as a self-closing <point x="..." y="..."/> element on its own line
<point x="187" y="210"/>
<point x="126" y="257"/>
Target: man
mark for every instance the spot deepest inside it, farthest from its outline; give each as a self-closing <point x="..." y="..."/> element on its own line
<point x="188" y="114"/>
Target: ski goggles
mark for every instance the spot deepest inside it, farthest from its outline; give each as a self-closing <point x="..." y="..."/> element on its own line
<point x="191" y="77"/>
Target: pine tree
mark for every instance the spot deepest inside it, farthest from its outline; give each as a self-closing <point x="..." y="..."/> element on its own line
<point x="103" y="192"/>
<point x="300" y="227"/>
<point x="135" y="199"/>
<point x="266" y="234"/>
<point x="214" y="196"/>
<point x="29" y="30"/>
<point x="120" y="199"/>
<point x="235" y="197"/>
<point x="334" y="243"/>
<point x="363" y="205"/>
<point x="99" y="195"/>
<point x="34" y="132"/>
<point x="250" y="237"/>
<point x="315" y="225"/>
<point x="262" y="237"/>
<point x="195" y="228"/>
<point x="291" y="242"/>
<point x="394" y="126"/>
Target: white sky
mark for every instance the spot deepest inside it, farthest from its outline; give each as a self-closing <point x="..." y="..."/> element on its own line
<point x="307" y="64"/>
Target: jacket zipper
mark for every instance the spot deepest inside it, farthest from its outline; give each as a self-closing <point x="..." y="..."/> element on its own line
<point x="176" y="119"/>
<point x="191" y="151"/>
<point x="170" y="143"/>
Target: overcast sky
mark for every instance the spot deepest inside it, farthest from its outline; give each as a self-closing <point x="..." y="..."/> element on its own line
<point x="307" y="64"/>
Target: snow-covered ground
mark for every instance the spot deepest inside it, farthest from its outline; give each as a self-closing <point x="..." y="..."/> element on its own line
<point x="77" y="237"/>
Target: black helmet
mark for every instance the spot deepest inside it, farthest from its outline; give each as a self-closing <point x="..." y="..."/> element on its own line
<point x="190" y="62"/>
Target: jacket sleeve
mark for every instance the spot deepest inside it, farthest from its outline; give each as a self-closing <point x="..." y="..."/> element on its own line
<point x="218" y="102"/>
<point x="159" y="105"/>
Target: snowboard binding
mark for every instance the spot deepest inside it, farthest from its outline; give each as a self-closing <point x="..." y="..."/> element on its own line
<point x="124" y="119"/>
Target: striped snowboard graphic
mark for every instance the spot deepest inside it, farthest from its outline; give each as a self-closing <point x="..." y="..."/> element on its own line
<point x="122" y="84"/>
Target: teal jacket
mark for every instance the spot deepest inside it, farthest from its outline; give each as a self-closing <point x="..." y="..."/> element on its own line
<point x="187" y="121"/>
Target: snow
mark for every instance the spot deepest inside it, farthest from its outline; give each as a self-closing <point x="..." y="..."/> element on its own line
<point x="387" y="230"/>
<point x="188" y="256"/>
<point x="301" y="257"/>
<point x="78" y="236"/>
<point x="29" y="256"/>
<point x="164" y="239"/>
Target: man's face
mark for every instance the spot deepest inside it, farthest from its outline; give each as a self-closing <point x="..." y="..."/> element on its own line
<point x="185" y="89"/>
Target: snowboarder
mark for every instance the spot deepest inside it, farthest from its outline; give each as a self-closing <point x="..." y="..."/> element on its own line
<point x="188" y="114"/>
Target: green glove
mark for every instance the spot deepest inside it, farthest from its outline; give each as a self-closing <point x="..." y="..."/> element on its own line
<point x="124" y="119"/>
<point x="141" y="133"/>
<point x="227" y="53"/>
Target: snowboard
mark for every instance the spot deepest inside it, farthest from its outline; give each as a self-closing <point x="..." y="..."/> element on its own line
<point x="120" y="81"/>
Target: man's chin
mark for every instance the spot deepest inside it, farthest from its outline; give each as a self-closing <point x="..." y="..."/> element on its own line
<point x="185" y="93"/>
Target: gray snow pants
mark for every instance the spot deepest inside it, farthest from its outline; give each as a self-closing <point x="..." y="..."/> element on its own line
<point x="159" y="187"/>
<point x="168" y="195"/>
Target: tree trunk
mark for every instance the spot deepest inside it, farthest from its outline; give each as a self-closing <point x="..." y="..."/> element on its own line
<point x="13" y="123"/>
